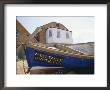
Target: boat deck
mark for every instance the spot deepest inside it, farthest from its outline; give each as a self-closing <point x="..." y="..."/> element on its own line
<point x="61" y="50"/>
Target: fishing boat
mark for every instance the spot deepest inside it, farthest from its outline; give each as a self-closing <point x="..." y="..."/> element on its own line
<point x="38" y="54"/>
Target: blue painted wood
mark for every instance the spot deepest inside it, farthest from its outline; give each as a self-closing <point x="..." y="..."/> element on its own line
<point x="66" y="61"/>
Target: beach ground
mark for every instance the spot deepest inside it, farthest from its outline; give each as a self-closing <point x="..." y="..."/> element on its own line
<point x="21" y="66"/>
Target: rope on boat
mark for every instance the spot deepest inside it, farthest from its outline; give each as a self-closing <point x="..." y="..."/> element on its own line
<point x="24" y="67"/>
<point x="26" y="72"/>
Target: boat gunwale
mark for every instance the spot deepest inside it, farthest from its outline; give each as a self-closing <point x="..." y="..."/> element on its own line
<point x="84" y="56"/>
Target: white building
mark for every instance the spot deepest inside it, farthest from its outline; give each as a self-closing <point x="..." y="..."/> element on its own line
<point x="55" y="35"/>
<point x="52" y="33"/>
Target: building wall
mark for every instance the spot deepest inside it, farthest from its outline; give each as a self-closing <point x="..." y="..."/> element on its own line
<point x="23" y="34"/>
<point x="42" y="32"/>
<point x="21" y="37"/>
<point x="38" y="32"/>
<point x="42" y="38"/>
<point x="61" y="39"/>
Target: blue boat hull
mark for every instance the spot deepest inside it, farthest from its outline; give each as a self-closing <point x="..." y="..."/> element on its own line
<point x="44" y="58"/>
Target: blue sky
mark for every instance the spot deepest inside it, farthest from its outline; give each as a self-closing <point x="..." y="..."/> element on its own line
<point x="82" y="27"/>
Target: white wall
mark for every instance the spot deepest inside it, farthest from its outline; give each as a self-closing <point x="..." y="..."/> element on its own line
<point x="62" y="38"/>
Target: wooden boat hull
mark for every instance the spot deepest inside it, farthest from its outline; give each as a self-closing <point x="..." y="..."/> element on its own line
<point x="37" y="57"/>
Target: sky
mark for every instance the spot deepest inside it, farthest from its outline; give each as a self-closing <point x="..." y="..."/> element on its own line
<point x="82" y="27"/>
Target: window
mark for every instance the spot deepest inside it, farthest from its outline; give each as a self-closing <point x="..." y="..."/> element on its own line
<point x="50" y="33"/>
<point x="58" y="34"/>
<point x="17" y="33"/>
<point x="17" y="46"/>
<point x="67" y="35"/>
